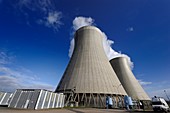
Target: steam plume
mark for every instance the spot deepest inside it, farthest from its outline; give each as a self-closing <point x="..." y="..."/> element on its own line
<point x="79" y="22"/>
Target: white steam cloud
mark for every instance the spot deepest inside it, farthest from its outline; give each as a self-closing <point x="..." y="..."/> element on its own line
<point x="88" y="21"/>
<point x="111" y="53"/>
<point x="71" y="47"/>
<point x="82" y="21"/>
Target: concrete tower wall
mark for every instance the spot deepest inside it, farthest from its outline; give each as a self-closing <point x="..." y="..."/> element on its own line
<point x="89" y="77"/>
<point x="89" y="70"/>
<point x="127" y="79"/>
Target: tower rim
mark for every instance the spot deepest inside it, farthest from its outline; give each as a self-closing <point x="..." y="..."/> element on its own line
<point x="119" y="57"/>
<point x="89" y="27"/>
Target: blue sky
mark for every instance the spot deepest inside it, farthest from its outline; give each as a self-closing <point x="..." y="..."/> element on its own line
<point x="35" y="39"/>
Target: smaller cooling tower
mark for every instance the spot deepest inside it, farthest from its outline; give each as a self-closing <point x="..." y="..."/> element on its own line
<point x="127" y="79"/>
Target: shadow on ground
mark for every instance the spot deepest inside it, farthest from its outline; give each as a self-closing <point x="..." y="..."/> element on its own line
<point x="75" y="110"/>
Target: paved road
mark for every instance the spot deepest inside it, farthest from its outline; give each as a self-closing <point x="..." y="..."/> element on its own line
<point x="73" y="110"/>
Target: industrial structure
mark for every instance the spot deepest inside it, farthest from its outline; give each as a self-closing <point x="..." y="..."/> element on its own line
<point x="130" y="83"/>
<point x="5" y="98"/>
<point x="87" y="81"/>
<point x="36" y="99"/>
<point x="127" y="79"/>
<point x="89" y="77"/>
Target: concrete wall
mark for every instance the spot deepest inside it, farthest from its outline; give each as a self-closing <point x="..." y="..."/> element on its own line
<point x="127" y="79"/>
<point x="89" y="70"/>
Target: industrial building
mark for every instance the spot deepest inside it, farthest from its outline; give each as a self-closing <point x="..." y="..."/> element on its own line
<point x="89" y="77"/>
<point x="5" y="98"/>
<point x="127" y="79"/>
<point x="130" y="83"/>
<point x="36" y="99"/>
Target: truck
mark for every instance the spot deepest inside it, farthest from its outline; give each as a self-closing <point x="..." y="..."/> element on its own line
<point x="159" y="104"/>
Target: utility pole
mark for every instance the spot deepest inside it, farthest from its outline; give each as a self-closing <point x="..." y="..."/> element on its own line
<point x="166" y="95"/>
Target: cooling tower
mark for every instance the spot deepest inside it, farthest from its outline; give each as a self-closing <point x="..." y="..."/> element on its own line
<point x="127" y="79"/>
<point x="89" y="74"/>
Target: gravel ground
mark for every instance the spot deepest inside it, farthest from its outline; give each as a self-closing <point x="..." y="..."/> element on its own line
<point x="70" y="110"/>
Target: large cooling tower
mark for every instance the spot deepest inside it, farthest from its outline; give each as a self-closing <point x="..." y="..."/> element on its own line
<point x="89" y="71"/>
<point x="127" y="79"/>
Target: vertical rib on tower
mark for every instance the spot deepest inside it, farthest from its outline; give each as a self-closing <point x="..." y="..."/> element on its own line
<point x="89" y="70"/>
<point x="128" y="80"/>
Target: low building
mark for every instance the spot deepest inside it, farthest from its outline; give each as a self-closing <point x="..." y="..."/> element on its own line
<point x="5" y="98"/>
<point x="36" y="99"/>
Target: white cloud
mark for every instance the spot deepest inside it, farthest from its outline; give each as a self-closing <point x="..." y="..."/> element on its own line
<point x="130" y="29"/>
<point x="11" y="83"/>
<point x="13" y="77"/>
<point x="40" y="85"/>
<point x="107" y="44"/>
<point x="52" y="20"/>
<point x="44" y="11"/>
<point x="43" y="6"/>
<point x="160" y="93"/>
<point x="144" y="82"/>
<point x="156" y="88"/>
<point x="5" y="58"/>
